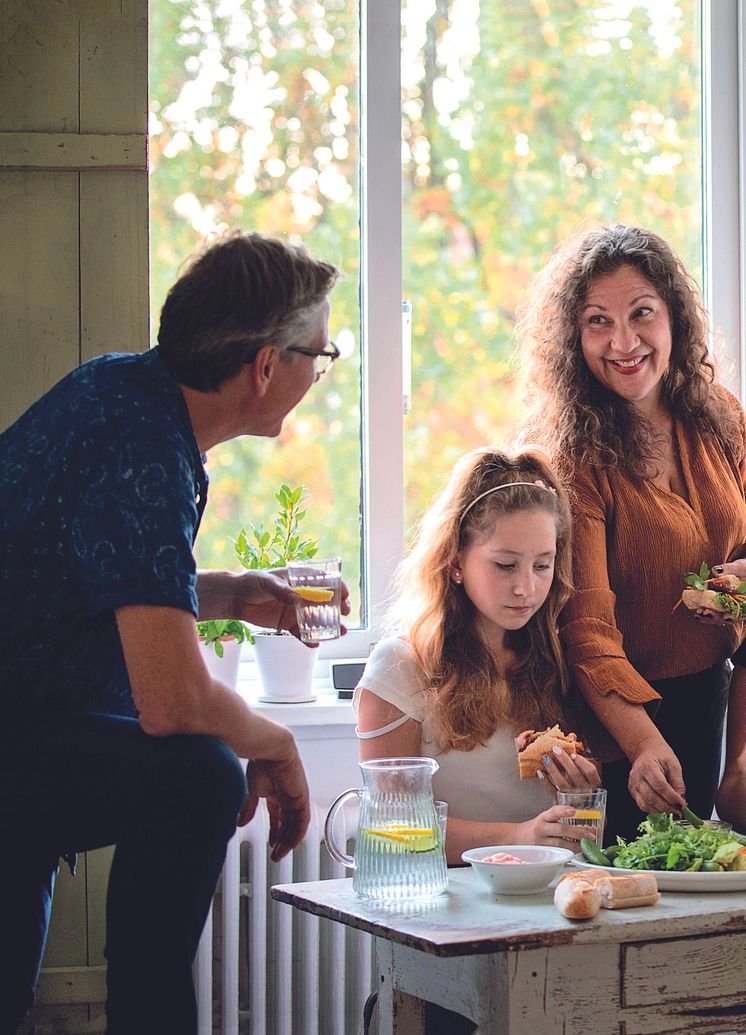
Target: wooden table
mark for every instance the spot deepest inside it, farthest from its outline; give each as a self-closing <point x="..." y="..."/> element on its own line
<point x="515" y="966"/>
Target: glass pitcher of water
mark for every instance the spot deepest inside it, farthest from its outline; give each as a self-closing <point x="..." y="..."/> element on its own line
<point x="399" y="849"/>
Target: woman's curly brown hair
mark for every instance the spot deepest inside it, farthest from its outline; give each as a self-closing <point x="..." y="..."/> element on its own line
<point x="573" y="415"/>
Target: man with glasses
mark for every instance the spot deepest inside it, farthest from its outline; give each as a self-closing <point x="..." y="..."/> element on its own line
<point x="115" y="731"/>
<point x="325" y="358"/>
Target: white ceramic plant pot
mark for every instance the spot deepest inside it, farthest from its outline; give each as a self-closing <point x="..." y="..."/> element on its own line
<point x="285" y="668"/>
<point x="226" y="668"/>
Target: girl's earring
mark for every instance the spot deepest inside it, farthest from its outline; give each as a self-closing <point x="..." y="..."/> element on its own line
<point x="457" y="577"/>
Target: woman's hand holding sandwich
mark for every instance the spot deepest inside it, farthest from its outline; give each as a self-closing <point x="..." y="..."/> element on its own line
<point x="717" y="598"/>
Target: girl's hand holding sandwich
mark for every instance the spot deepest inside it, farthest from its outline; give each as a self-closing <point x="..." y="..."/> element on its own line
<point x="563" y="772"/>
<point x="555" y="759"/>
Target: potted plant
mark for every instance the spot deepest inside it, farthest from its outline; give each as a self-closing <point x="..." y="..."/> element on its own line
<point x="221" y="640"/>
<point x="285" y="664"/>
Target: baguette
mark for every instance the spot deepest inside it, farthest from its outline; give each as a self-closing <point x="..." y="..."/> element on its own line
<point x="590" y="876"/>
<point x="627" y="890"/>
<point x="541" y="743"/>
<point x="622" y="891"/>
<point x="578" y="899"/>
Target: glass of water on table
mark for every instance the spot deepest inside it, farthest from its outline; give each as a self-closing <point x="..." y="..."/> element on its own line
<point x="318" y="585"/>
<point x="590" y="811"/>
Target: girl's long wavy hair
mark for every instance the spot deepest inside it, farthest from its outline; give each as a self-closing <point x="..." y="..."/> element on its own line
<point x="468" y="697"/>
<point x="575" y="417"/>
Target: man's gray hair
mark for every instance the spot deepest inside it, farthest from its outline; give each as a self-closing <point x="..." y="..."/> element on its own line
<point x="240" y="293"/>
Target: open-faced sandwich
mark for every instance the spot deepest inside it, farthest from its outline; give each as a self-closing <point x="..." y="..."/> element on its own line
<point x="532" y="745"/>
<point x="721" y="593"/>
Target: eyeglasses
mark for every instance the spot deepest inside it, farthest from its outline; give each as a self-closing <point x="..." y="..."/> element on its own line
<point x="324" y="357"/>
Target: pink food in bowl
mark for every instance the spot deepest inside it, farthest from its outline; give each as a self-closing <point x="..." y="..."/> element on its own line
<point x="502" y="857"/>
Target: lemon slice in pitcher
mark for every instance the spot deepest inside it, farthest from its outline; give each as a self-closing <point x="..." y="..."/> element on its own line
<point x="587" y="814"/>
<point x="412" y="839"/>
<point x="313" y="595"/>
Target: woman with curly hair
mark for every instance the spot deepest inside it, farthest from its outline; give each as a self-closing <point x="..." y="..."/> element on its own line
<point x="653" y="447"/>
<point x="474" y="656"/>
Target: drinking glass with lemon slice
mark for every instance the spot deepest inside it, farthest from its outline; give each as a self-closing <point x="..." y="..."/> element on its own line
<point x="318" y="585"/>
<point x="590" y="811"/>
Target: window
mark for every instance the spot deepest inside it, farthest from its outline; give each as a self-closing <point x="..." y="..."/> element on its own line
<point x="522" y="123"/>
<point x="436" y="150"/>
<point x="254" y="123"/>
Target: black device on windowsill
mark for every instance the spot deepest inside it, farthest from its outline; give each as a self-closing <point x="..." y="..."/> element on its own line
<point x="345" y="675"/>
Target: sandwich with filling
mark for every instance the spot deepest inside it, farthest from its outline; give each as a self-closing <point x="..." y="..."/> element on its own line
<point x="725" y="593"/>
<point x="532" y="745"/>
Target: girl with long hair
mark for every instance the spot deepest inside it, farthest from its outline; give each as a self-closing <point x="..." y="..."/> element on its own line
<point x="473" y="660"/>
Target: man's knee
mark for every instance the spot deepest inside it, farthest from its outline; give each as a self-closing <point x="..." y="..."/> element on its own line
<point x="218" y="776"/>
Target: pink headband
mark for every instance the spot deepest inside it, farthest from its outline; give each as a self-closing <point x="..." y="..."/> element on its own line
<point x="507" y="485"/>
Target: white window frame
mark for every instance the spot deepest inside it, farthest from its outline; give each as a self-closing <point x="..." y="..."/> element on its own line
<point x="381" y="266"/>
<point x="724" y="233"/>
<point x="724" y="187"/>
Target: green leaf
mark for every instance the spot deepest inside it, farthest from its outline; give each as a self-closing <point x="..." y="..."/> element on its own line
<point x="274" y="547"/>
<point x="211" y="631"/>
<point x="698" y="580"/>
<point x="728" y="603"/>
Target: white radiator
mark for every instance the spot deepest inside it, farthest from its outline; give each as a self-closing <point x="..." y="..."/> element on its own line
<point x="266" y="968"/>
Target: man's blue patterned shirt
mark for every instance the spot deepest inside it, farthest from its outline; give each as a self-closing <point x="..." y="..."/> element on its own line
<point x="102" y="488"/>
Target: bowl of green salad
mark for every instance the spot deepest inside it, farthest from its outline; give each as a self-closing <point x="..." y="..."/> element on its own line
<point x="687" y="854"/>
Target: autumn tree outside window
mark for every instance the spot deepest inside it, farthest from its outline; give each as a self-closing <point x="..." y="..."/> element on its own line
<point x="519" y="121"/>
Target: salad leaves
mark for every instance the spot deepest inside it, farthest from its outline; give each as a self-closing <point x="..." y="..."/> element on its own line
<point x="698" y="579"/>
<point x="666" y="844"/>
<point x="733" y="600"/>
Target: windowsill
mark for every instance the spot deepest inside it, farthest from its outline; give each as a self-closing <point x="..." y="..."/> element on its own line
<point x="326" y="710"/>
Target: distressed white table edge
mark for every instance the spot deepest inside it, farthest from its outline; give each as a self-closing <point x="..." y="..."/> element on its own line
<point x="513" y="964"/>
<point x="467" y="919"/>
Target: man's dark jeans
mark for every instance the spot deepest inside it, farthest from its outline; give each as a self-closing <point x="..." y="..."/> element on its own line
<point x="169" y="804"/>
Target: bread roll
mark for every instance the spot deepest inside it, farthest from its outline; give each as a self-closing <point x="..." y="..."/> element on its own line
<point x="577" y="899"/>
<point x="708" y="598"/>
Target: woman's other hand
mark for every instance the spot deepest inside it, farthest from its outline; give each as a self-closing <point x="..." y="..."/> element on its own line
<point x="548" y="829"/>
<point x="563" y="772"/>
<point x="730" y="802"/>
<point x="656" y="782"/>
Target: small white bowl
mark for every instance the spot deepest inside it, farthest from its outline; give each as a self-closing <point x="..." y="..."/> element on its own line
<point x="540" y="866"/>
